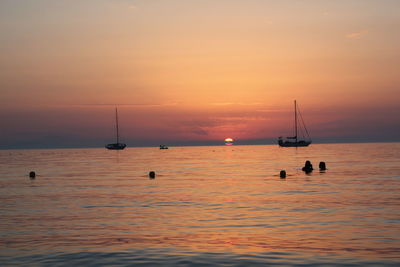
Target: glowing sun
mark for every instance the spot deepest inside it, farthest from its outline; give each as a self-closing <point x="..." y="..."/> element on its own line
<point x="228" y="141"/>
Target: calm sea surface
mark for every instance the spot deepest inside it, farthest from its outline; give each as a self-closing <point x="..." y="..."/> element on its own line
<point x="215" y="205"/>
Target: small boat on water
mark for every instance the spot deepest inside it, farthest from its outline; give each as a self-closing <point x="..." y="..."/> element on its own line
<point x="163" y="147"/>
<point x="117" y="145"/>
<point x="295" y="141"/>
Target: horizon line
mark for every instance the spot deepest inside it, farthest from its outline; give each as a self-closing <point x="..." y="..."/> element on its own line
<point x="195" y="145"/>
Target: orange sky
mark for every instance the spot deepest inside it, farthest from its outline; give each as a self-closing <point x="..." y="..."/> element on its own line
<point x="197" y="70"/>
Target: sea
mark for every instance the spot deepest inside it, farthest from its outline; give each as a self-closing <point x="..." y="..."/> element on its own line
<point x="206" y="206"/>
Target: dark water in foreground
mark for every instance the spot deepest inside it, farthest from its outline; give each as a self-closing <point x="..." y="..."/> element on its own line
<point x="207" y="206"/>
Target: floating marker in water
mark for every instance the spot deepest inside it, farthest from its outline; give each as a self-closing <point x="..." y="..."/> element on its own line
<point x="32" y="175"/>
<point x="152" y="175"/>
<point x="282" y="174"/>
<point x="322" y="166"/>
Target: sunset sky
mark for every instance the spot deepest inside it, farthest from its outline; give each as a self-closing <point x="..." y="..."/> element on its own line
<point x="197" y="71"/>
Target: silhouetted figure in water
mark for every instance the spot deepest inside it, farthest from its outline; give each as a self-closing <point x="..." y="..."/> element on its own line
<point x="32" y="175"/>
<point x="308" y="167"/>
<point x="282" y="174"/>
<point x="152" y="175"/>
<point x="322" y="166"/>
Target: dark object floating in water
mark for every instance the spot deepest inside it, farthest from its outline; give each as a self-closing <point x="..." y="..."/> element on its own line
<point x="322" y="166"/>
<point x="308" y="167"/>
<point x="117" y="145"/>
<point x="152" y="175"/>
<point x="282" y="174"/>
<point x="32" y="175"/>
<point x="296" y="141"/>
<point x="163" y="147"/>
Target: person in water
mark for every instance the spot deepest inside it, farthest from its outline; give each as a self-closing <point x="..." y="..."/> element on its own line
<point x="308" y="167"/>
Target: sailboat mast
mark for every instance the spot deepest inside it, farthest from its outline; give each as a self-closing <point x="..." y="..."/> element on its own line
<point x="295" y="120"/>
<point x="116" y="123"/>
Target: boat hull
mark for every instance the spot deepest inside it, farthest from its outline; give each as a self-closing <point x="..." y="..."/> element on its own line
<point x="116" y="146"/>
<point x="294" y="144"/>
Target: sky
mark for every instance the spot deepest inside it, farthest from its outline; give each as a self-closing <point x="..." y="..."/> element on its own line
<point x="193" y="72"/>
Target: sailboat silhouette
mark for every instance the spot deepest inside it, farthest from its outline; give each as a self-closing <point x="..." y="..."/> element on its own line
<point x="294" y="141"/>
<point x="117" y="145"/>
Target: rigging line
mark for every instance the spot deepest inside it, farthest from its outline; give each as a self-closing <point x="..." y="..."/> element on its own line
<point x="301" y="132"/>
<point x="304" y="125"/>
<point x="305" y="128"/>
<point x="293" y="128"/>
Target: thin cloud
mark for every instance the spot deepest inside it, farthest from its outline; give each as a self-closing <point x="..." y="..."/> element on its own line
<point x="356" y="35"/>
<point x="124" y="4"/>
<point x="237" y="104"/>
<point x="131" y="104"/>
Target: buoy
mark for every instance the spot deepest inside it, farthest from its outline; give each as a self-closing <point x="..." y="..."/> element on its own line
<point x="32" y="175"/>
<point x="322" y="166"/>
<point x="282" y="174"/>
<point x="152" y="175"/>
<point x="308" y="167"/>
